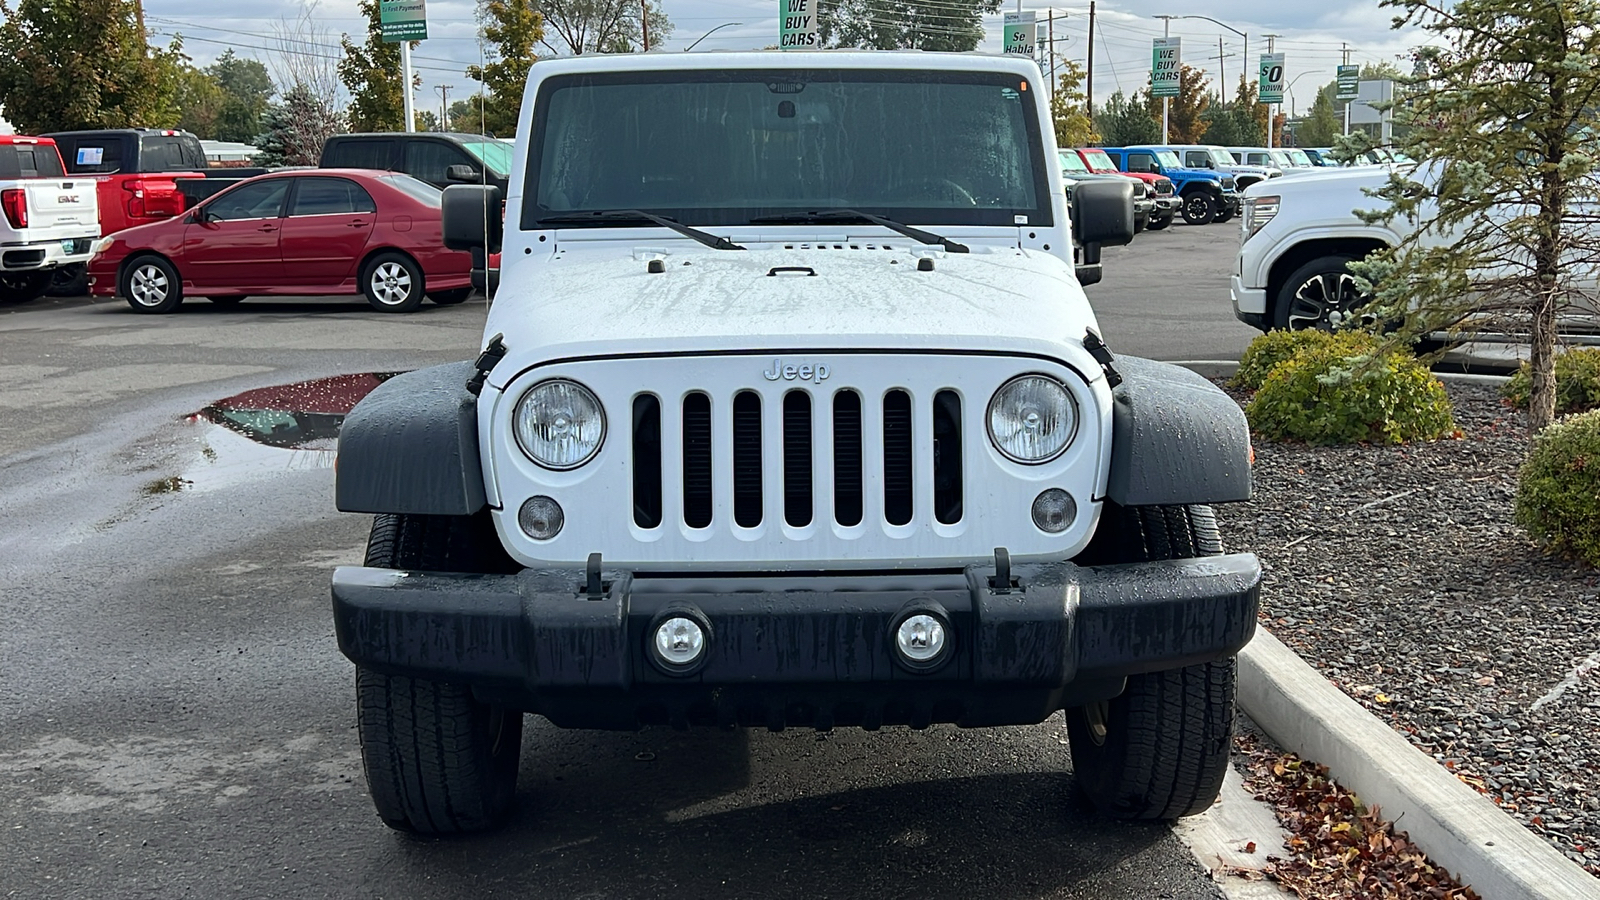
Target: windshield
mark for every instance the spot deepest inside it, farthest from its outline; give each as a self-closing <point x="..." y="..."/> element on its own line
<point x="1099" y="162"/>
<point x="1280" y="159"/>
<point x="1300" y="158"/>
<point x="725" y="147"/>
<point x="1222" y="159"/>
<point x="495" y="155"/>
<point x="1168" y="159"/>
<point x="1071" y="162"/>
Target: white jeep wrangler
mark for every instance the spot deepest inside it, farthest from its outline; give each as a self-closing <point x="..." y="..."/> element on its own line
<point x="791" y="412"/>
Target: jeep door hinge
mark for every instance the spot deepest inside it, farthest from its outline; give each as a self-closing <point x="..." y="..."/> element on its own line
<point x="487" y="360"/>
<point x="1097" y="348"/>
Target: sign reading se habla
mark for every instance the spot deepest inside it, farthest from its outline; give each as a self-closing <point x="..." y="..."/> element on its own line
<point x="1349" y="83"/>
<point x="1271" y="78"/>
<point x="402" y="20"/>
<point x="1017" y="33"/>
<point x="1166" y="67"/>
<point x="797" y="25"/>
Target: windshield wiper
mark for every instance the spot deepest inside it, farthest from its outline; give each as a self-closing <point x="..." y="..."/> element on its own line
<point x="850" y="215"/>
<point x="639" y="215"/>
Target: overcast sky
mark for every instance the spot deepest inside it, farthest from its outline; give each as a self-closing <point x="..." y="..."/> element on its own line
<point x="1311" y="34"/>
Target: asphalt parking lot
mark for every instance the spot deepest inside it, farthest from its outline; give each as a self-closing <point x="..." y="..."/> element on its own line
<point x="176" y="721"/>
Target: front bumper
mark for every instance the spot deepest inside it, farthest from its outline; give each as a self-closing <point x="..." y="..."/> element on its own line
<point x="45" y="254"/>
<point x="1060" y="636"/>
<point x="1249" y="304"/>
<point x="1168" y="204"/>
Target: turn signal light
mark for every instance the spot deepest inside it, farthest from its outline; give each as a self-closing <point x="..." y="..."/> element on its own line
<point x="15" y="203"/>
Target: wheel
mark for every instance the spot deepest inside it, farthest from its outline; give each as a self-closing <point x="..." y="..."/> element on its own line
<point x="1321" y="294"/>
<point x="393" y="282"/>
<point x="1158" y="223"/>
<point x="1199" y="207"/>
<point x="437" y="760"/>
<point x="69" y="281"/>
<point x="451" y="297"/>
<point x="234" y="300"/>
<point x="151" y="285"/>
<point x="1140" y="223"/>
<point x="1224" y="213"/>
<point x="1161" y="748"/>
<point x="21" y="287"/>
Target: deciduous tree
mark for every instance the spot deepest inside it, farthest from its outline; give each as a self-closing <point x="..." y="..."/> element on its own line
<point x="1509" y="89"/>
<point x="1073" y="126"/>
<point x="600" y="26"/>
<point x="1322" y="125"/>
<point x="68" y="64"/>
<point x="246" y="89"/>
<point x="371" y="73"/>
<point x="296" y="129"/>
<point x="513" y="29"/>
<point x="1186" y="114"/>
<point x="904" y="24"/>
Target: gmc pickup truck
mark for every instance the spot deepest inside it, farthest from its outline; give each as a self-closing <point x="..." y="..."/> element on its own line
<point x="50" y="219"/>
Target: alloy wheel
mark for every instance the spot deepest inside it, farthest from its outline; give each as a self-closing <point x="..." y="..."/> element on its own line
<point x="149" y="285"/>
<point x="391" y="284"/>
<point x="1328" y="301"/>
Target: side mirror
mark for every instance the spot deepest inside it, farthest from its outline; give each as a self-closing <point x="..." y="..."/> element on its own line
<point x="472" y="217"/>
<point x="462" y="174"/>
<point x="1102" y="214"/>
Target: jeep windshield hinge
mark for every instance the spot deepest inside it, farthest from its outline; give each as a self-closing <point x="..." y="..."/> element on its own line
<point x="1102" y="354"/>
<point x="1002" y="582"/>
<point x="487" y="360"/>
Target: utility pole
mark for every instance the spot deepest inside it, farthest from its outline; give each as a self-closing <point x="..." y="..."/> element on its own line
<point x="1222" y="73"/>
<point x="1271" y="107"/>
<point x="1089" y="73"/>
<point x="444" y="106"/>
<point x="1166" y="102"/>
<point x="644" y="22"/>
<point x="1347" y="102"/>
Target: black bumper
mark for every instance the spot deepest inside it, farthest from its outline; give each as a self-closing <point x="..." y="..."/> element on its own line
<point x="1061" y="636"/>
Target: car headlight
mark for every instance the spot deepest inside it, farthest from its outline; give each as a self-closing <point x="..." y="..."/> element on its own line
<point x="1258" y="211"/>
<point x="1032" y="419"/>
<point x="559" y="424"/>
<point x="101" y="245"/>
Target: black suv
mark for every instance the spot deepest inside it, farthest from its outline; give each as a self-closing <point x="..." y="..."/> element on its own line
<point x="435" y="157"/>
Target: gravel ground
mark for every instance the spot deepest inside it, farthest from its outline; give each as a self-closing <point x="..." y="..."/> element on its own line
<point x="1398" y="573"/>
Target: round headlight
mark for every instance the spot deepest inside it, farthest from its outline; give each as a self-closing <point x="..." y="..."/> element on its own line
<point x="559" y="424"/>
<point x="1032" y="419"/>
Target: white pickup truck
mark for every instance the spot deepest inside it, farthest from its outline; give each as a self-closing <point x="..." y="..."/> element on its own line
<point x="49" y="220"/>
<point x="791" y="411"/>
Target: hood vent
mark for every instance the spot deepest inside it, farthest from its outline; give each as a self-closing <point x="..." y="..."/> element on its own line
<point x="823" y="246"/>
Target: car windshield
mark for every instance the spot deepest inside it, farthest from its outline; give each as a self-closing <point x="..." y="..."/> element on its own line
<point x="726" y="147"/>
<point x="1098" y="161"/>
<point x="420" y="190"/>
<point x="1281" y="159"/>
<point x="1071" y="162"/>
<point x="495" y="155"/>
<point x="1168" y="159"/>
<point x="1300" y="158"/>
<point x="1220" y="158"/>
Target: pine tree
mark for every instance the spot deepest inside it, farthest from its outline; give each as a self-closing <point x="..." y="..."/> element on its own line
<point x="296" y="129"/>
<point x="1322" y="125"/>
<point x="1507" y="90"/>
<point x="1124" y="123"/>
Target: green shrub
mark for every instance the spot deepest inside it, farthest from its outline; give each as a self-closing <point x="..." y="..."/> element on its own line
<point x="1577" y="382"/>
<point x="1267" y="351"/>
<point x="1329" y="395"/>
<point x="1558" y="489"/>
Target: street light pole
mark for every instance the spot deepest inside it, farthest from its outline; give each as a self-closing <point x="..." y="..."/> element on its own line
<point x="1244" y="63"/>
<point x="709" y="33"/>
<point x="1270" y="107"/>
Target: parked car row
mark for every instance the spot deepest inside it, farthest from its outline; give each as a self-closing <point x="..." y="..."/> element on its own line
<point x="1201" y="194"/>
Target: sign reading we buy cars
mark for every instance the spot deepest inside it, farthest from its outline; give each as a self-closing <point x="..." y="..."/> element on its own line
<point x="797" y="25"/>
<point x="402" y="20"/>
<point x="1166" y="67"/>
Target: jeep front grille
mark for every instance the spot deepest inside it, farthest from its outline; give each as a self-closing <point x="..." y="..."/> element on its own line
<point x="896" y="467"/>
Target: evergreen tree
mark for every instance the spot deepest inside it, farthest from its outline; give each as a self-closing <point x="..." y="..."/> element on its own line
<point x="246" y="89"/>
<point x="514" y="28"/>
<point x="1507" y="93"/>
<point x="296" y="129"/>
<point x="1322" y="125"/>
<point x="1123" y="123"/>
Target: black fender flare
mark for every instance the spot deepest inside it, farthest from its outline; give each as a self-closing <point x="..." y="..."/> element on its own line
<point x="411" y="446"/>
<point x="1176" y="438"/>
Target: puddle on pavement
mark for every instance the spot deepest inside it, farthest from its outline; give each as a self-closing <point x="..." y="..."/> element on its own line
<point x="270" y="430"/>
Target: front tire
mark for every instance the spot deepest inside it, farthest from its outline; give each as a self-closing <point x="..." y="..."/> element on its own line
<point x="151" y="285"/>
<point x="437" y="760"/>
<point x="1160" y="749"/>
<point x="1321" y="294"/>
<point x="1199" y="208"/>
<point x="393" y="283"/>
<point x="1156" y="224"/>
<point x="451" y="297"/>
<point x="69" y="281"/>
<point x="24" y="287"/>
<point x="1224" y="213"/>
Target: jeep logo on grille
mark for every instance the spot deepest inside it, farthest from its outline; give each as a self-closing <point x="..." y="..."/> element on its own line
<point x="816" y="374"/>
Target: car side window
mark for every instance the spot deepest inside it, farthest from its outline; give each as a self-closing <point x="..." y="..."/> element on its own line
<point x="428" y="160"/>
<point x="330" y="197"/>
<point x="39" y="162"/>
<point x="1196" y="159"/>
<point x="94" y="157"/>
<point x="360" y="154"/>
<point x="262" y="200"/>
<point x="1141" y="162"/>
<point x="1257" y="159"/>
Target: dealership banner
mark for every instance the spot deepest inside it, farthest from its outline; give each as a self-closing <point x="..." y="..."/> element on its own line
<point x="1271" y="78"/>
<point x="1166" y="67"/>
<point x="1018" y="32"/>
<point x="402" y="20"/>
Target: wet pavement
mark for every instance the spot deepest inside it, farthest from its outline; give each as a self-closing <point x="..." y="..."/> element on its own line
<point x="176" y="720"/>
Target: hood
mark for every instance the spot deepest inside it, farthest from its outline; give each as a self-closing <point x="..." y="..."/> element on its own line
<point x="1194" y="173"/>
<point x="778" y="297"/>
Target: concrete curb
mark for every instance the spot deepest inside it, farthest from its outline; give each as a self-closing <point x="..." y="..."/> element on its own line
<point x="1223" y="368"/>
<point x="1456" y="826"/>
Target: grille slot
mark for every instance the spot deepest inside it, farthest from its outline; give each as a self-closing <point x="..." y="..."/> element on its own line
<point x="947" y="486"/>
<point x="797" y="490"/>
<point x="847" y="490"/>
<point x="697" y="480"/>
<point x="647" y="461"/>
<point x="747" y="459"/>
<point x="898" y="491"/>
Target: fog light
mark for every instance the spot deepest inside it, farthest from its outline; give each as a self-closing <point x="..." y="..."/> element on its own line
<point x="680" y="642"/>
<point x="541" y="518"/>
<point x="920" y="639"/>
<point x="1054" y="510"/>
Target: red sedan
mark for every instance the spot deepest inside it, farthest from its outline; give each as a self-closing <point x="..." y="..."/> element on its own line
<point x="322" y="231"/>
